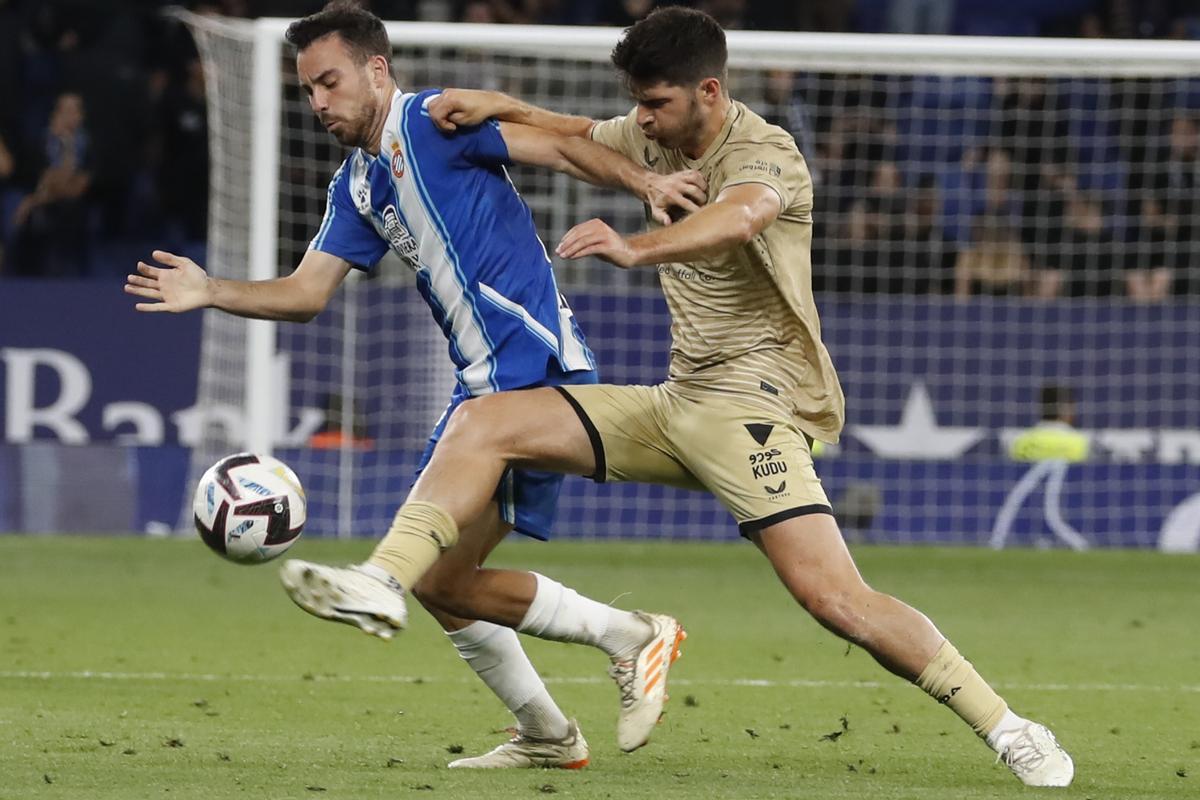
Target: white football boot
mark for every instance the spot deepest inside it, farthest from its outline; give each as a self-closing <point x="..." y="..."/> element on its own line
<point x="523" y="752"/>
<point x="642" y="681"/>
<point x="345" y="594"/>
<point x="1035" y="756"/>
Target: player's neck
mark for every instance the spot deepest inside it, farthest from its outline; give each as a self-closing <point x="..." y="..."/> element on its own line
<point x="382" y="109"/>
<point x="712" y="127"/>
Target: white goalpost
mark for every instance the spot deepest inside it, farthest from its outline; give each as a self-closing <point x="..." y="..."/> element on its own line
<point x="992" y="216"/>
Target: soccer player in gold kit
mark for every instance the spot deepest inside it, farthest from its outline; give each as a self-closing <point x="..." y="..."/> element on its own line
<point x="751" y="386"/>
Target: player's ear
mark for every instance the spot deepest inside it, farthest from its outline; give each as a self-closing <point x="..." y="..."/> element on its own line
<point x="710" y="90"/>
<point x="380" y="70"/>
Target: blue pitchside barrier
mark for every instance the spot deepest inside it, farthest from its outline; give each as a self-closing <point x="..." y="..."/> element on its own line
<point x="92" y="393"/>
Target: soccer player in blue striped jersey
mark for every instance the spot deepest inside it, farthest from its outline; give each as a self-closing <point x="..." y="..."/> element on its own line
<point x="445" y="205"/>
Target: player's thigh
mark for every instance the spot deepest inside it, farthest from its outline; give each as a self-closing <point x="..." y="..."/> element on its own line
<point x="810" y="557"/>
<point x="758" y="464"/>
<point x="535" y="428"/>
<point x="626" y="427"/>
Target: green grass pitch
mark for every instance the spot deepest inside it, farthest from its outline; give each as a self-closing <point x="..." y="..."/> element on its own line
<point x="134" y="668"/>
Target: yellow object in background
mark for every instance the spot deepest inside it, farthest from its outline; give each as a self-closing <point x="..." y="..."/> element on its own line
<point x="1050" y="441"/>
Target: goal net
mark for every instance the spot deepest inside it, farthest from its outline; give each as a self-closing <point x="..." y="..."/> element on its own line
<point x="992" y="217"/>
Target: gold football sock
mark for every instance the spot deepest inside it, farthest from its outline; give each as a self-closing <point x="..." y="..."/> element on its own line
<point x="951" y="680"/>
<point x="419" y="534"/>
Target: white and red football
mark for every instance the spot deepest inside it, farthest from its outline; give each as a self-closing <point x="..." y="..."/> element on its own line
<point x="249" y="508"/>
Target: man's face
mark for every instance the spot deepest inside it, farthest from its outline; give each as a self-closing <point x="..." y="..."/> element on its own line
<point x="68" y="114"/>
<point x="669" y="115"/>
<point x="339" y="89"/>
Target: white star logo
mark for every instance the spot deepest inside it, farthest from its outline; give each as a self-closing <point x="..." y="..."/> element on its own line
<point x="918" y="435"/>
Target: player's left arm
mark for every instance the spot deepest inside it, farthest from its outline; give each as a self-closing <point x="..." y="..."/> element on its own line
<point x="453" y="108"/>
<point x="588" y="161"/>
<point x="739" y="213"/>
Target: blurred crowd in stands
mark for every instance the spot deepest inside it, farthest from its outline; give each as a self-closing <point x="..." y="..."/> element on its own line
<point x="962" y="186"/>
<point x="1025" y="187"/>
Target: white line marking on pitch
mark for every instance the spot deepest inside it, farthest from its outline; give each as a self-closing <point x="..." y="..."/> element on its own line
<point x="750" y="682"/>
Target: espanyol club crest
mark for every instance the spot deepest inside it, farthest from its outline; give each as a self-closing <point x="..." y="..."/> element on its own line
<point x="397" y="161"/>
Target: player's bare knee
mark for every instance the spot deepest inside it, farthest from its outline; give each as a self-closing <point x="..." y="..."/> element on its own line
<point x="437" y="594"/>
<point x="437" y="588"/>
<point x="452" y="592"/>
<point x="426" y="593"/>
<point x="839" y="610"/>
<point x="426" y="599"/>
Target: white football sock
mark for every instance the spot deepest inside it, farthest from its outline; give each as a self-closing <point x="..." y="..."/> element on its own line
<point x="1009" y="723"/>
<point x="496" y="655"/>
<point x="563" y="615"/>
<point x="380" y="574"/>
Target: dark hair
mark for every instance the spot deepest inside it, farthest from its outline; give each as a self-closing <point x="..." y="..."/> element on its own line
<point x="1056" y="400"/>
<point x="362" y="31"/>
<point x="674" y="45"/>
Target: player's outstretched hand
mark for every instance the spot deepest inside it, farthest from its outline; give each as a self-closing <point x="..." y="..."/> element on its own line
<point x="595" y="238"/>
<point x="666" y="195"/>
<point x="465" y="107"/>
<point x="180" y="286"/>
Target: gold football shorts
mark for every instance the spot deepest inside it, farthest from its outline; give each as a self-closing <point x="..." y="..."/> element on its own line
<point x="757" y="463"/>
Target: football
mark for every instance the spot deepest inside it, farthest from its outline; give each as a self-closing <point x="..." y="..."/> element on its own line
<point x="249" y="508"/>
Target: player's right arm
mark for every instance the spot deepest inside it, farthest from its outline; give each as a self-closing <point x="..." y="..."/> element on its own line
<point x="344" y="239"/>
<point x="467" y="107"/>
<point x="182" y="285"/>
<point x="739" y="213"/>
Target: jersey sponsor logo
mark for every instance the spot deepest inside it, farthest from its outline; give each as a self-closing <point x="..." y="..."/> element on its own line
<point x="399" y="237"/>
<point x="767" y="462"/>
<point x="397" y="161"/>
<point x="765" y="456"/>
<point x="769" y="468"/>
<point x="684" y="273"/>
<point x="774" y="170"/>
<point x="774" y="490"/>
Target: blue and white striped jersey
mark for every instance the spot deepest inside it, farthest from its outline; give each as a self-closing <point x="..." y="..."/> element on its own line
<point x="444" y="203"/>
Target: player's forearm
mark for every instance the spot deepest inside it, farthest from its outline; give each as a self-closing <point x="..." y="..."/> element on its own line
<point x="510" y="109"/>
<point x="713" y="230"/>
<point x="276" y="299"/>
<point x="587" y="161"/>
